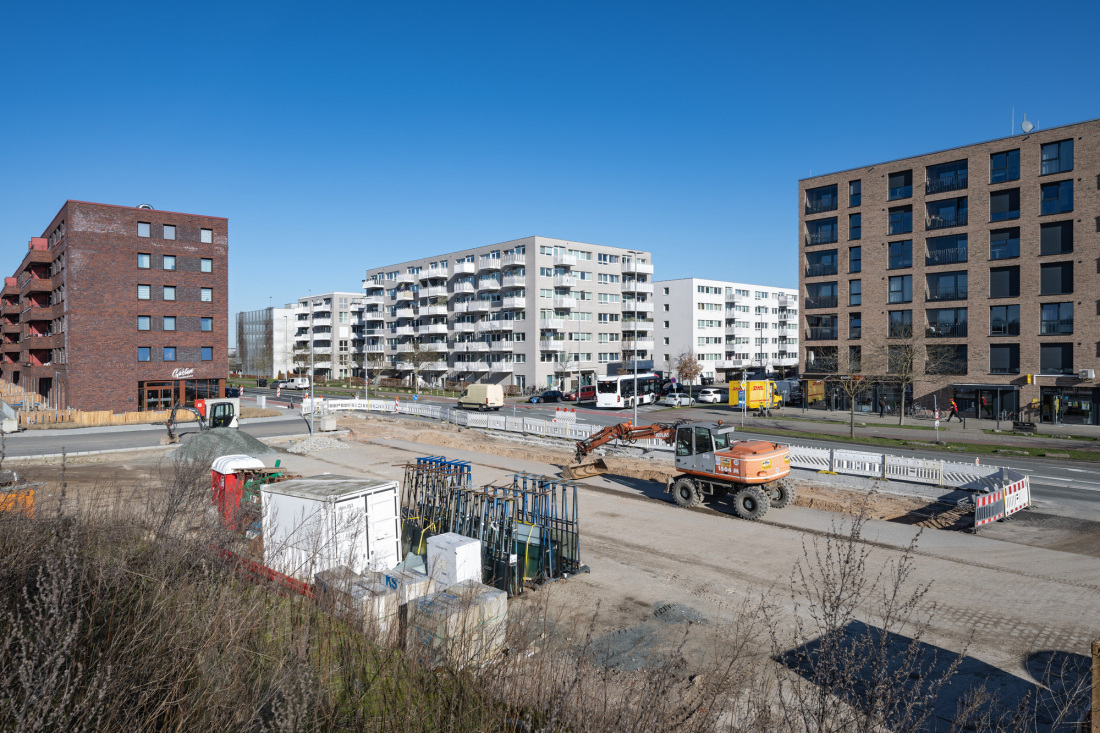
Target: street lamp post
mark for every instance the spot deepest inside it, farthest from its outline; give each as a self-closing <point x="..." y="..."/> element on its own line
<point x="312" y="372"/>
<point x="634" y="254"/>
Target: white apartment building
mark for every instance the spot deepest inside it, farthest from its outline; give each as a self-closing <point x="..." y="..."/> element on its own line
<point x="532" y="312"/>
<point x="732" y="328"/>
<point x="333" y="322"/>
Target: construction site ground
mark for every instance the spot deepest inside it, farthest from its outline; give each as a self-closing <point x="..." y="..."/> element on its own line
<point x="1014" y="598"/>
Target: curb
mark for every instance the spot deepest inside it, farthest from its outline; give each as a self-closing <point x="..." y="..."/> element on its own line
<point x="44" y="456"/>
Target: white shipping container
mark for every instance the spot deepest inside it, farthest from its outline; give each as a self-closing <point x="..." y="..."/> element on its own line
<point x="315" y="524"/>
<point x="453" y="559"/>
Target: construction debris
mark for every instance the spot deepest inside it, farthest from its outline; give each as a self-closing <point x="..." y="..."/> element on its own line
<point x="316" y="444"/>
<point x="218" y="442"/>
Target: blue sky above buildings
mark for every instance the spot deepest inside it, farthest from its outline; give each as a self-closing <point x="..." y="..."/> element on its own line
<point x="341" y="136"/>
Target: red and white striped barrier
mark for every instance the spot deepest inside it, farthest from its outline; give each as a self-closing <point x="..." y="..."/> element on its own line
<point x="1017" y="496"/>
<point x="989" y="508"/>
<point x="1004" y="502"/>
<point x="565" y="414"/>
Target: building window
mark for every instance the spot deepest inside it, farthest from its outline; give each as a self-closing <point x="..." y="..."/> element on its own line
<point x="206" y="324"/>
<point x="1004" y="320"/>
<point x="901" y="220"/>
<point x="143" y="353"/>
<point x="821" y="295"/>
<point x="143" y="323"/>
<point x="1056" y="318"/>
<point x="855" y="193"/>
<point x="169" y="262"/>
<point x="1056" y="278"/>
<point x="169" y="292"/>
<point x="821" y="231"/>
<point x="946" y="323"/>
<point x="206" y="236"/>
<point x="1056" y="358"/>
<point x="1004" y="282"/>
<point x="945" y="359"/>
<point x="169" y="323"/>
<point x="946" y="177"/>
<point x="901" y="289"/>
<point x="819" y="200"/>
<point x="901" y="254"/>
<point x="855" y="227"/>
<point x="206" y="264"/>
<point x="1004" y="244"/>
<point x="666" y="291"/>
<point x="1056" y="238"/>
<point x="143" y="231"/>
<point x="1004" y="359"/>
<point x="901" y="185"/>
<point x="1004" y="205"/>
<point x="206" y="295"/>
<point x="899" y="324"/>
<point x="947" y="286"/>
<point x="1056" y="198"/>
<point x="1057" y="158"/>
<point x="207" y="353"/>
<point x="143" y="261"/>
<point x="169" y="353"/>
<point x="169" y="231"/>
<point x="946" y="213"/>
<point x="818" y="264"/>
<point x="1004" y="166"/>
<point x="855" y="325"/>
<point x="949" y="250"/>
<point x="855" y="259"/>
<point x="144" y="292"/>
<point x="855" y="292"/>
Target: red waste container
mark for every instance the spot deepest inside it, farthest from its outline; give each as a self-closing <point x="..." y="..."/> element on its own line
<point x="227" y="483"/>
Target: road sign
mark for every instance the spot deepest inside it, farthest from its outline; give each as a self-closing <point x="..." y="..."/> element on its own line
<point x="936" y="415"/>
<point x="416" y="398"/>
<point x="744" y="384"/>
<point x="741" y="398"/>
<point x="673" y="380"/>
<point x="937" y="423"/>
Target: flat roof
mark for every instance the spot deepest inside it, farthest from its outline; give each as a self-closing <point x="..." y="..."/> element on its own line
<point x="327" y="488"/>
<point x="946" y="150"/>
<point x="119" y="206"/>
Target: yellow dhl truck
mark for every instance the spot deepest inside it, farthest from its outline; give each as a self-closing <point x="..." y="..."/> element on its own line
<point x="757" y="392"/>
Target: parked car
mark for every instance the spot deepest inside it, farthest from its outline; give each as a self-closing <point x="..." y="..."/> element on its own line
<point x="278" y="384"/>
<point x="550" y="395"/>
<point x="233" y="391"/>
<point x="261" y="382"/>
<point x="678" y="399"/>
<point x="710" y="395"/>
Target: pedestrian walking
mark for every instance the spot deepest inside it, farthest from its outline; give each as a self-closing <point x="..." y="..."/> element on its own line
<point x="882" y="407"/>
<point x="954" y="412"/>
<point x="983" y="410"/>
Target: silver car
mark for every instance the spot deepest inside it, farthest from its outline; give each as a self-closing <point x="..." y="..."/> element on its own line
<point x="678" y="399"/>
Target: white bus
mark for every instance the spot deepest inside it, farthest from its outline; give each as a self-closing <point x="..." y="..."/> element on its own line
<point x="618" y="391"/>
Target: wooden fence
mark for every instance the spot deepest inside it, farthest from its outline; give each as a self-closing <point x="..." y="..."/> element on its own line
<point x="97" y="418"/>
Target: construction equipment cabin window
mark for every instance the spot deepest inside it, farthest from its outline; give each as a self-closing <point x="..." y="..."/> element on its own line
<point x="683" y="442"/>
<point x="703" y="442"/>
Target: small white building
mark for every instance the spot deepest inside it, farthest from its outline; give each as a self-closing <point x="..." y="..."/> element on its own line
<point x="731" y="328"/>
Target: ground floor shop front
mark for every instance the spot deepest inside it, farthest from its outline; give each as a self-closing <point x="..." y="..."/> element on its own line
<point x="163" y="394"/>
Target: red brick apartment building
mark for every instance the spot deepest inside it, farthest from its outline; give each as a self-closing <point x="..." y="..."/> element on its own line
<point x="119" y="308"/>
<point x="989" y="253"/>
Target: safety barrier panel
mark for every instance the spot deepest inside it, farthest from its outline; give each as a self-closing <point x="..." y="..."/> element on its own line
<point x="565" y="415"/>
<point x="989" y="508"/>
<point x="1017" y="496"/>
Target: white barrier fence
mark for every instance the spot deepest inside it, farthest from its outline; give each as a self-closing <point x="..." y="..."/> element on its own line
<point x="968" y="476"/>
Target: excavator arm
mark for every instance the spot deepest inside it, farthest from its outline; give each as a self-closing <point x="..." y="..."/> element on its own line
<point x="171" y="424"/>
<point x="626" y="432"/>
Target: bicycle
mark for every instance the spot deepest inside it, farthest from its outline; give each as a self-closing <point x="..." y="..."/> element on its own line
<point x="1007" y="415"/>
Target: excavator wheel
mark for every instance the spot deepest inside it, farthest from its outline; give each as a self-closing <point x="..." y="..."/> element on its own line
<point x="686" y="493"/>
<point x="750" y="503"/>
<point x="781" y="493"/>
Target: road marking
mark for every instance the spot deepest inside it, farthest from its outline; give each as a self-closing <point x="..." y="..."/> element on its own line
<point x="1078" y="470"/>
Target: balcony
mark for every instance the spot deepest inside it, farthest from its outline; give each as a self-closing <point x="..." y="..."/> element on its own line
<point x="513" y="260"/>
<point x="732" y="329"/>
<point x="566" y="302"/>
<point x="734" y="297"/>
<point x="475" y="346"/>
<point x="43" y="312"/>
<point x="936" y="295"/>
<point x="945" y="330"/>
<point x="488" y="263"/>
<point x="406" y="295"/>
<point x="946" y="256"/>
<point x="373" y="349"/>
<point x="552" y="344"/>
<point x="637" y="286"/>
<point x="434" y="366"/>
<point x="787" y="301"/>
<point x="946" y="220"/>
<point x="503" y="345"/>
<point x="501" y="367"/>
<point x="464" y="327"/>
<point x="828" y="236"/>
<point x="479" y="306"/>
<point x="638" y="306"/>
<point x="641" y="268"/>
<point x="496" y="324"/>
<point x="943" y="184"/>
<point x="565" y="260"/>
<point x="1052" y="326"/>
<point x="37" y="285"/>
<point x="436" y="347"/>
<point x="373" y="299"/>
<point x="820" y="269"/>
<point x="471" y="366"/>
<point x="405" y="278"/>
<point x="465" y="268"/>
<point x="565" y="281"/>
<point x="513" y="302"/>
<point x="435" y="309"/>
<point x="820" y="301"/>
<point x="464" y="287"/>
<point x="435" y="328"/>
<point x="821" y="333"/>
<point x="638" y="344"/>
<point x="11" y="328"/>
<point x="733" y="363"/>
<point x="433" y="272"/>
<point x="403" y="331"/>
<point x="514" y="281"/>
<point x="488" y="284"/>
<point x="13" y="308"/>
<point x="433" y="291"/>
<point x="553" y="324"/>
<point x="321" y="351"/>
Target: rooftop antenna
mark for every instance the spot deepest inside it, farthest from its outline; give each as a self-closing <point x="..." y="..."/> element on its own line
<point x="1025" y="125"/>
<point x="145" y="206"/>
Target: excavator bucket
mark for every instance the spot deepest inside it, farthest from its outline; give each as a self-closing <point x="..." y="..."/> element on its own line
<point x="586" y="469"/>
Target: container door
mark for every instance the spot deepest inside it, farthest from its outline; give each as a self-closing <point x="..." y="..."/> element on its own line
<point x="350" y="534"/>
<point x="382" y="529"/>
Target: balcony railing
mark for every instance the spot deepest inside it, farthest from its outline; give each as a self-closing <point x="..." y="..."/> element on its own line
<point x="899" y="332"/>
<point x="943" y="221"/>
<point x="820" y="269"/>
<point x="820" y="301"/>
<point x="1053" y="326"/>
<point x="820" y="207"/>
<point x="945" y="330"/>
<point x="946" y="256"/>
<point x="821" y="333"/>
<point x="901" y="192"/>
<point x="1004" y="370"/>
<point x="822" y="237"/>
<point x="946" y="293"/>
<point x="1004" y="328"/>
<point x="943" y="184"/>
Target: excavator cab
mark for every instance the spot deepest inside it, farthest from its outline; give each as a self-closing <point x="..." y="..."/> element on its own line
<point x="220" y="412"/>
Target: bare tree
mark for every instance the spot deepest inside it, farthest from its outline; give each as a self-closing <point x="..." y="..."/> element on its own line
<point x="417" y="358"/>
<point x="689" y="369"/>
<point x="850" y="377"/>
<point x="300" y="357"/>
<point x="908" y="357"/>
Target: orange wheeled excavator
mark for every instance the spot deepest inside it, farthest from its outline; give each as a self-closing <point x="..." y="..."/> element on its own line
<point x="709" y="463"/>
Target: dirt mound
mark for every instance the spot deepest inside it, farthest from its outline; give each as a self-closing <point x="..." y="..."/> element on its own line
<point x="219" y="442"/>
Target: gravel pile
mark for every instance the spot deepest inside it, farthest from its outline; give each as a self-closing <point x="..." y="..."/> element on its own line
<point x="316" y="444"/>
<point x="221" y="442"/>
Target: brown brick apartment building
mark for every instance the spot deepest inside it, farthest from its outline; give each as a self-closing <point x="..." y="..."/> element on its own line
<point x="983" y="260"/>
<point x="119" y="308"/>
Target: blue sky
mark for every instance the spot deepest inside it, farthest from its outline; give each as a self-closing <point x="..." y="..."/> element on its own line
<point x="336" y="137"/>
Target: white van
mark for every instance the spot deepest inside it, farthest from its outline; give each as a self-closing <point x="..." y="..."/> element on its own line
<point x="482" y="397"/>
<point x="297" y="383"/>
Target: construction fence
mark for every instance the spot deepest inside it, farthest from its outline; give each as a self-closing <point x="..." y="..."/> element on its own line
<point x="948" y="474"/>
